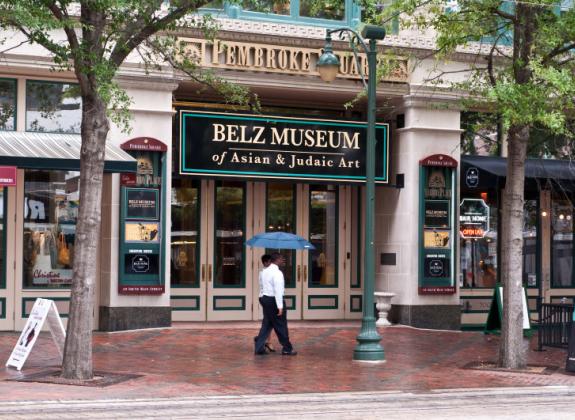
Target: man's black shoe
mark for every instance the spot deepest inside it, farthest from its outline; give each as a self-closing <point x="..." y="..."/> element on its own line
<point x="289" y="353"/>
<point x="261" y="353"/>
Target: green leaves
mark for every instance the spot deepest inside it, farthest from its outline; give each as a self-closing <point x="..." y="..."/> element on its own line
<point x="528" y="77"/>
<point x="100" y="35"/>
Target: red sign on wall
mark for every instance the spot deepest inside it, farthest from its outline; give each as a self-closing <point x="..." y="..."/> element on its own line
<point x="7" y="176"/>
<point x="144" y="144"/>
<point x="439" y="160"/>
<point x="128" y="179"/>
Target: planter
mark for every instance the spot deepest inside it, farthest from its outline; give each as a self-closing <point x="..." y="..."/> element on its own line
<point x="383" y="305"/>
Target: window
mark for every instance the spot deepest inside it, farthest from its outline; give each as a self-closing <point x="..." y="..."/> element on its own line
<point x="479" y="256"/>
<point x="329" y="12"/>
<point x="2" y="238"/>
<point x="530" y="252"/>
<point x="280" y="217"/>
<point x="53" y="107"/>
<point x="185" y="233"/>
<point x="51" y="201"/>
<point x="323" y="234"/>
<point x="229" y="234"/>
<point x="562" y="243"/>
<point x="7" y="104"/>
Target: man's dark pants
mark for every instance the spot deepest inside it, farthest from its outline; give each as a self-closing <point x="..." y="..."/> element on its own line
<point x="272" y="320"/>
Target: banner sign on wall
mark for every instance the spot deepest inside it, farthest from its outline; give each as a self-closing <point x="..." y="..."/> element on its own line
<point x="436" y="226"/>
<point x="141" y="220"/>
<point x="237" y="145"/>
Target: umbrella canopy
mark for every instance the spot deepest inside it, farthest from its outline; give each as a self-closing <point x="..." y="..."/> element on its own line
<point x="279" y="240"/>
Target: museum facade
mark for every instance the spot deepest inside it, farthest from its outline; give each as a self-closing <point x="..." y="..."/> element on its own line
<point x="197" y="177"/>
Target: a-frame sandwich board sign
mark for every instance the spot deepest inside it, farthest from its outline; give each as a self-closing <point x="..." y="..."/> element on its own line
<point x="493" y="324"/>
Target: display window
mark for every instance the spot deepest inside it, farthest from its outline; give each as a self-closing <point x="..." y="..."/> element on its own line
<point x="51" y="200"/>
<point x="7" y="104"/>
<point x="479" y="257"/>
<point x="53" y="107"/>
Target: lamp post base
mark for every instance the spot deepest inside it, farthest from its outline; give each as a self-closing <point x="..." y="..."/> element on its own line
<point x="368" y="348"/>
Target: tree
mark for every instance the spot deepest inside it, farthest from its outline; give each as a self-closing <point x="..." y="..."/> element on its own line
<point x="99" y="37"/>
<point x="525" y="72"/>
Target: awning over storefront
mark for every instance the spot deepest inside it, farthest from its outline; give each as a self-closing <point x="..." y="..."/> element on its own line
<point x="491" y="172"/>
<point x="55" y="151"/>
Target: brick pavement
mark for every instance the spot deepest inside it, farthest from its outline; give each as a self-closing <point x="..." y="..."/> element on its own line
<point x="219" y="360"/>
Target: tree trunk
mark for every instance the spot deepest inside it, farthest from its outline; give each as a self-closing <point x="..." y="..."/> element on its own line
<point x="77" y="362"/>
<point x="511" y="350"/>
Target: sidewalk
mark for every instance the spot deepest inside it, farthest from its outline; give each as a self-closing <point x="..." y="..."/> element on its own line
<point x="217" y="359"/>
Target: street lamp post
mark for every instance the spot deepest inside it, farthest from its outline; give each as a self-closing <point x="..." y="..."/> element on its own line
<point x="368" y="346"/>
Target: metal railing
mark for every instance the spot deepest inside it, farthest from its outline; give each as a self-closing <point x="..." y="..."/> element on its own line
<point x="554" y="325"/>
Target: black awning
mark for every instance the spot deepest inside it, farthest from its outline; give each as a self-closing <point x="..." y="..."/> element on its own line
<point x="539" y="173"/>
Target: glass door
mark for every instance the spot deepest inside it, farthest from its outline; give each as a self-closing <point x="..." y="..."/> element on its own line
<point x="318" y="281"/>
<point x="323" y="270"/>
<point x="187" y="273"/>
<point x="208" y="252"/>
<point x="6" y="274"/>
<point x="280" y="215"/>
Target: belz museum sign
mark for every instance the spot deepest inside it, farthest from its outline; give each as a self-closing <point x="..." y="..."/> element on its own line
<point x="255" y="146"/>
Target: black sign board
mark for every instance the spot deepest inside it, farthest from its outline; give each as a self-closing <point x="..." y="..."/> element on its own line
<point x="236" y="145"/>
<point x="142" y="263"/>
<point x="437" y="213"/>
<point x="142" y="203"/>
<point x="436" y="266"/>
<point x="472" y="177"/>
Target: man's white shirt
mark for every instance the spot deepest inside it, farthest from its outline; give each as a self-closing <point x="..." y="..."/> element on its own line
<point x="273" y="283"/>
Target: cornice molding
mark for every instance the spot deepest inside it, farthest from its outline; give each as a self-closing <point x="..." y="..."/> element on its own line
<point x="429" y="128"/>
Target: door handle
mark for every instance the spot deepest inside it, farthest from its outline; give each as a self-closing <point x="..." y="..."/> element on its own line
<point x="209" y="273"/>
<point x="203" y="272"/>
<point x="298" y="273"/>
<point x="305" y="272"/>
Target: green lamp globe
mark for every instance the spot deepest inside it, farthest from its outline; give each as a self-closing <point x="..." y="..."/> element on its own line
<point x="328" y="64"/>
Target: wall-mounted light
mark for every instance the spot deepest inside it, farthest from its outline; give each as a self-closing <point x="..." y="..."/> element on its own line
<point x="544" y="213"/>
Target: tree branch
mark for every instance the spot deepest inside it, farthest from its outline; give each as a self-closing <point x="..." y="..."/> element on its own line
<point x="504" y="15"/>
<point x="27" y="41"/>
<point x="126" y="44"/>
<point x="558" y="50"/>
<point x="62" y="16"/>
<point x="444" y="72"/>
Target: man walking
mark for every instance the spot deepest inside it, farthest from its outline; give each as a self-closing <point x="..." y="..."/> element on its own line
<point x="273" y="307"/>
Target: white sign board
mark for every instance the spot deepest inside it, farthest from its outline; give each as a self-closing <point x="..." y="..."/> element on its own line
<point x="43" y="310"/>
<point x="526" y="323"/>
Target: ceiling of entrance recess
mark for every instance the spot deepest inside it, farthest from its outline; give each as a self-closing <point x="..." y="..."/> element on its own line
<point x="293" y="90"/>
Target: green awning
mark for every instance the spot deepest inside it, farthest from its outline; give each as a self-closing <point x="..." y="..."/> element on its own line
<point x="55" y="151"/>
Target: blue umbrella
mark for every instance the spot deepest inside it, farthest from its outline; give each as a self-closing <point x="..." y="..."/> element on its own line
<point x="279" y="240"/>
